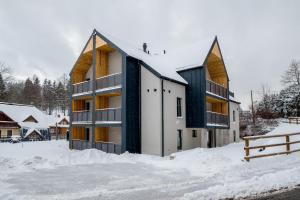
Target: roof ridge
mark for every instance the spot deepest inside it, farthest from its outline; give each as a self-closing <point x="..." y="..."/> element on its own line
<point x="16" y="104"/>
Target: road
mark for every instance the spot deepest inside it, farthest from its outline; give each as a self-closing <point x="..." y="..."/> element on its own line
<point x="287" y="195"/>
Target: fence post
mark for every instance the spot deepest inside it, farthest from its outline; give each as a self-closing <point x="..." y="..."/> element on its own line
<point x="247" y="149"/>
<point x="288" y="147"/>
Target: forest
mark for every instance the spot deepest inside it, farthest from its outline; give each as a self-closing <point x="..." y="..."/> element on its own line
<point x="285" y="103"/>
<point x="47" y="95"/>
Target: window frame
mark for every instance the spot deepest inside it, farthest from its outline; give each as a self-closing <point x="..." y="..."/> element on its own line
<point x="179" y="139"/>
<point x="233" y="116"/>
<point x="194" y="133"/>
<point x="179" y="107"/>
<point x="11" y="133"/>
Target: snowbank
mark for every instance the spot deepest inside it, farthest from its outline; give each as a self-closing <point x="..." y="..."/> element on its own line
<point x="193" y="174"/>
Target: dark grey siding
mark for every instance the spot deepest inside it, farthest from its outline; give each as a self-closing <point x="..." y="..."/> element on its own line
<point x="195" y="97"/>
<point x="132" y="95"/>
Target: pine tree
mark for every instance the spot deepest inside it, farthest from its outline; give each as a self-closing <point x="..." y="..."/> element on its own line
<point x="37" y="92"/>
<point x="28" y="92"/>
<point x="2" y="89"/>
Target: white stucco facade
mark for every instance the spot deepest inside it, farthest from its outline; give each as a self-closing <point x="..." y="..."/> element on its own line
<point x="234" y="122"/>
<point x="151" y="140"/>
<point x="114" y="62"/>
<point x="154" y="137"/>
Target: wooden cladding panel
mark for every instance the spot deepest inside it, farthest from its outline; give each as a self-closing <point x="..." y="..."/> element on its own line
<point x="78" y="133"/>
<point x="101" y="134"/>
<point x="99" y="43"/>
<point x="220" y="108"/>
<point x="102" y="102"/>
<point x="216" y="67"/>
<point x="101" y="63"/>
<point x="78" y="104"/>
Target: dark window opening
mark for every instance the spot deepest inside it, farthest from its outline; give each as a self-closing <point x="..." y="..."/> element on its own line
<point x="9" y="133"/>
<point x="87" y="106"/>
<point x="234" y="136"/>
<point x="233" y="115"/>
<point x="87" y="134"/>
<point x="179" y="140"/>
<point x="194" y="133"/>
<point x="179" y="110"/>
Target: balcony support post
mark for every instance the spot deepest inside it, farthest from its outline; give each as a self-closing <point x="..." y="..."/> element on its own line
<point x="93" y="92"/>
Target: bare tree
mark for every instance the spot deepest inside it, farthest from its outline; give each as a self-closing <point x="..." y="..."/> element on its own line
<point x="6" y="72"/>
<point x="292" y="74"/>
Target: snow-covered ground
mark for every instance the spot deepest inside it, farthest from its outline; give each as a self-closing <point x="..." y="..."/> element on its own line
<point x="49" y="170"/>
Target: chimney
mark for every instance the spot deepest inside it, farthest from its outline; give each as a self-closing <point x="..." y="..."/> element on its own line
<point x="145" y="47"/>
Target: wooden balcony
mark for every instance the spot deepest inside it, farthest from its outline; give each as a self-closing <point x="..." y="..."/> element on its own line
<point x="214" y="118"/>
<point x="82" y="87"/>
<point x="82" y="116"/>
<point x="109" y="82"/>
<point x="108" y="115"/>
<point x="216" y="89"/>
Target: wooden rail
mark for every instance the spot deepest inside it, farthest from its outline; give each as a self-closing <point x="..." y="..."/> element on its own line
<point x="293" y="120"/>
<point x="287" y="143"/>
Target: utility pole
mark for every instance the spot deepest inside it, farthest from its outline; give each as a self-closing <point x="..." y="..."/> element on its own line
<point x="253" y="115"/>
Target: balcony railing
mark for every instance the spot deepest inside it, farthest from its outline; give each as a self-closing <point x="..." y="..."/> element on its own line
<point x="108" y="81"/>
<point x="216" y="89"/>
<point x="82" y="87"/>
<point x="217" y="118"/>
<point x="109" y="114"/>
<point x="82" y="116"/>
<point x="108" y="147"/>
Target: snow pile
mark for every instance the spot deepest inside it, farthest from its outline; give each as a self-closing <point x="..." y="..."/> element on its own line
<point x="283" y="128"/>
<point x="194" y="174"/>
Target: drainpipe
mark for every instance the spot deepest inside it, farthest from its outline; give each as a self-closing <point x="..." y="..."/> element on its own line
<point x="162" y="119"/>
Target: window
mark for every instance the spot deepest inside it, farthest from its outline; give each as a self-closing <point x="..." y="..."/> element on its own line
<point x="233" y="115"/>
<point x="9" y="133"/>
<point x="234" y="136"/>
<point x="194" y="133"/>
<point x="179" y="111"/>
<point x="87" y="106"/>
<point x="179" y="140"/>
<point x="87" y="134"/>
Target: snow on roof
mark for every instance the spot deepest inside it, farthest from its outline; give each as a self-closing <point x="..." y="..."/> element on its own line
<point x="31" y="130"/>
<point x="174" y="60"/>
<point x="231" y="98"/>
<point x="19" y="112"/>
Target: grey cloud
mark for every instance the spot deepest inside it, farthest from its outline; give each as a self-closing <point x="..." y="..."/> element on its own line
<point x="258" y="38"/>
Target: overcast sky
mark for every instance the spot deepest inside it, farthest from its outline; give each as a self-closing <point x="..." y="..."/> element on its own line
<point x="258" y="38"/>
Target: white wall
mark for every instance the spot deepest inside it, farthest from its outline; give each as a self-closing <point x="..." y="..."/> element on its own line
<point x="114" y="62"/>
<point x="115" y="102"/>
<point x="115" y="135"/>
<point x="150" y="113"/>
<point x="172" y="123"/>
<point x="194" y="142"/>
<point x="14" y="131"/>
<point x="234" y="125"/>
<point x="89" y="74"/>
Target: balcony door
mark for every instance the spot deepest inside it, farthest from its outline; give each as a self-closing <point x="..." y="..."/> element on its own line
<point x="87" y="106"/>
<point x="211" y="143"/>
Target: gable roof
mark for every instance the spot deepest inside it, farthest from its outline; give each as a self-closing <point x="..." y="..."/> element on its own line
<point x="166" y="65"/>
<point x="5" y="118"/>
<point x="30" y="118"/>
<point x="21" y="112"/>
<point x="32" y="130"/>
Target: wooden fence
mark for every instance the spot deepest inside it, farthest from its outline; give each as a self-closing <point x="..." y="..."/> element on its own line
<point x="294" y="120"/>
<point x="287" y="144"/>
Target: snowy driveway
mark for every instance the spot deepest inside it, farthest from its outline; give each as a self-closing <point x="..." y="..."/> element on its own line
<point x="49" y="170"/>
